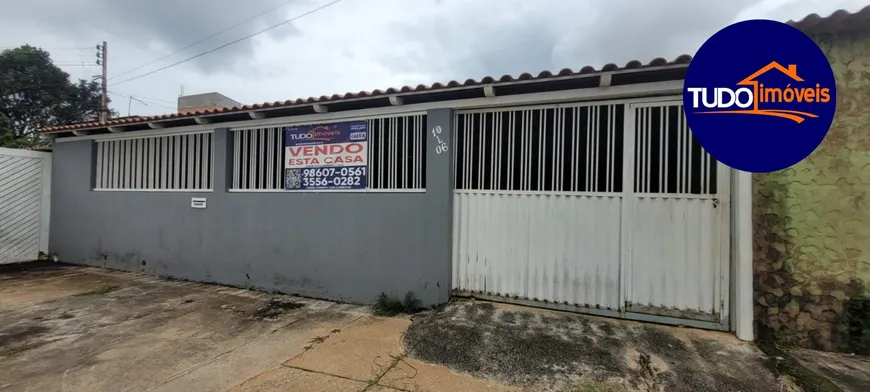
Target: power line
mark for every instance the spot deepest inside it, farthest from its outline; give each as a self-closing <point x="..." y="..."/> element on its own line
<point x="229" y="43"/>
<point x="141" y="100"/>
<point x="145" y="98"/>
<point x="204" y="39"/>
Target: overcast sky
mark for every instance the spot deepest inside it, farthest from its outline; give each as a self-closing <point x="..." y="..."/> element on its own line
<point x="357" y="45"/>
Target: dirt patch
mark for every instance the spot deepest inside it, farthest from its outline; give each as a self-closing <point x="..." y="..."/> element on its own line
<point x="99" y="290"/>
<point x="275" y="308"/>
<point x="556" y="351"/>
<point x="19" y="338"/>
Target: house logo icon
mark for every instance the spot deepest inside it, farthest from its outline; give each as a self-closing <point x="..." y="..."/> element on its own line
<point x="759" y="96"/>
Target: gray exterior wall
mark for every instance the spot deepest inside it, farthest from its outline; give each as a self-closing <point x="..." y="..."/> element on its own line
<point x="339" y="246"/>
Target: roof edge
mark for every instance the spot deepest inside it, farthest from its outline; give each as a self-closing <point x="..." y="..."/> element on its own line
<point x="632" y="67"/>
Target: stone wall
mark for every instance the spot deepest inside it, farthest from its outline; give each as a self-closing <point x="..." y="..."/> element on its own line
<point x="812" y="222"/>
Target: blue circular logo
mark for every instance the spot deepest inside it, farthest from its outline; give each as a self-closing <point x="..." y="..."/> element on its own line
<point x="759" y="96"/>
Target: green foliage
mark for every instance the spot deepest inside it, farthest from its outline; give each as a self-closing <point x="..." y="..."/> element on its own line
<point x="387" y="305"/>
<point x="35" y="93"/>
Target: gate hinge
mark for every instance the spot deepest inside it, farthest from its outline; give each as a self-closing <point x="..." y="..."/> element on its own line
<point x="715" y="203"/>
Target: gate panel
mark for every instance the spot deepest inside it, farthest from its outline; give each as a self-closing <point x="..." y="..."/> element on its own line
<point x="553" y="248"/>
<point x="24" y="204"/>
<point x="676" y="227"/>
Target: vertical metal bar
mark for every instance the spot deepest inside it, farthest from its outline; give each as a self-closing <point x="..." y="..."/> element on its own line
<point x="270" y="159"/>
<point x="122" y="164"/>
<point x="202" y="162"/>
<point x="455" y="152"/>
<point x="243" y="163"/>
<point x="554" y="155"/>
<point x="597" y="149"/>
<point x="175" y="170"/>
<point x="127" y="172"/>
<point x="498" y="147"/>
<point x="587" y="170"/>
<point x="394" y="152"/>
<point x="642" y="115"/>
<point x="466" y="151"/>
<point x="406" y="135"/>
<point x="608" y="160"/>
<point x="134" y="163"/>
<point x="681" y="170"/>
<point x="666" y="156"/>
<point x="280" y="158"/>
<point x="541" y="166"/>
<point x="663" y="123"/>
<point x="164" y="162"/>
<point x="525" y="167"/>
<point x="647" y="149"/>
<point x="689" y="148"/>
<point x="237" y="140"/>
<point x="370" y="141"/>
<point x="381" y="162"/>
<point x="152" y="162"/>
<point x="480" y="150"/>
<point x="421" y="142"/>
<point x="260" y="158"/>
<point x="575" y="150"/>
<point x="190" y="159"/>
<point x="512" y="141"/>
<point x="143" y="162"/>
<point x="529" y="133"/>
<point x="195" y="143"/>
<point x="613" y="147"/>
<point x="99" y="168"/>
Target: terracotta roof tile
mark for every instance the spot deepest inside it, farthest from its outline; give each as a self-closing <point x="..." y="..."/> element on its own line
<point x="839" y="20"/>
<point x="634" y="64"/>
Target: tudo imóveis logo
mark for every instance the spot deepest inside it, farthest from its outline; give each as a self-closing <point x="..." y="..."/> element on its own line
<point x="759" y="96"/>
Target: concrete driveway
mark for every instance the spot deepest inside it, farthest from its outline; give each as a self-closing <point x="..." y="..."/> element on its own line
<point x="71" y="328"/>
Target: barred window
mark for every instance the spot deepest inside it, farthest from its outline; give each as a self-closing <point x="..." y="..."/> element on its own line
<point x="562" y="149"/>
<point x="172" y="163"/>
<point x="396" y="156"/>
<point x="668" y="158"/>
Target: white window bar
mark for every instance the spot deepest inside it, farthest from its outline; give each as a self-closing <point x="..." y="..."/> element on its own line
<point x="396" y="156"/>
<point x="669" y="159"/>
<point x="546" y="149"/>
<point x="155" y="163"/>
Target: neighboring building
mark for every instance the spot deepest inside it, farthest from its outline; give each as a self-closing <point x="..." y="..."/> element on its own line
<point x="577" y="190"/>
<point x="812" y="221"/>
<point x="204" y="102"/>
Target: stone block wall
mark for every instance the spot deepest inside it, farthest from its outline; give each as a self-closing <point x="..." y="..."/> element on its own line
<point x="812" y="222"/>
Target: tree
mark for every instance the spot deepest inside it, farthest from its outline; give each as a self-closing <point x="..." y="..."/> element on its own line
<point x="35" y="93"/>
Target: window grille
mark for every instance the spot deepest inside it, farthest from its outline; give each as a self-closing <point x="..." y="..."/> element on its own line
<point x="167" y="163"/>
<point x="552" y="149"/>
<point x="396" y="156"/>
<point x="668" y="158"/>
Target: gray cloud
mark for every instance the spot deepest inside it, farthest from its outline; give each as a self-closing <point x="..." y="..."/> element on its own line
<point x="559" y="34"/>
<point x="171" y="24"/>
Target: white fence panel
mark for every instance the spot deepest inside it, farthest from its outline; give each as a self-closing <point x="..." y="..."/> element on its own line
<point x="25" y="189"/>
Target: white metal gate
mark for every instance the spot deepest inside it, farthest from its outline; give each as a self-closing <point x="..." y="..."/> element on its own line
<point x="606" y="208"/>
<point x="25" y="191"/>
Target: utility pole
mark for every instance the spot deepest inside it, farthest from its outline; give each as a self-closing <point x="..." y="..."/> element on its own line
<point x="102" y="51"/>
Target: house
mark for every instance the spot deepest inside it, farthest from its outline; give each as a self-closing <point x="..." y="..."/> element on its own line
<point x="581" y="190"/>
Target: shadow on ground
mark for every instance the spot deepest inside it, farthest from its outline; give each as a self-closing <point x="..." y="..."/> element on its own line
<point x="555" y="351"/>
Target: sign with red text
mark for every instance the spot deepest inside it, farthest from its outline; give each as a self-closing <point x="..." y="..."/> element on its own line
<point x="329" y="156"/>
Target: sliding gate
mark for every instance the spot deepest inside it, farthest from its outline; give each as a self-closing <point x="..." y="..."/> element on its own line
<point x="606" y="208"/>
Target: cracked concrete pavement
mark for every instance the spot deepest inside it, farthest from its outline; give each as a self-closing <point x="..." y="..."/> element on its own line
<point x="72" y="328"/>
